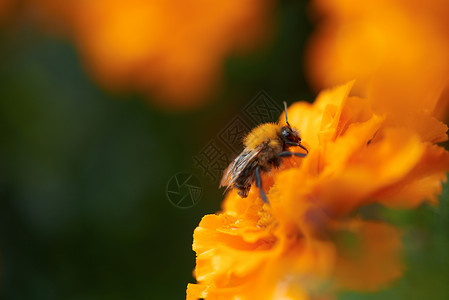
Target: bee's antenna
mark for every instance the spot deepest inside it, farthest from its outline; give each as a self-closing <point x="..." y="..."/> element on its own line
<point x="285" y="107"/>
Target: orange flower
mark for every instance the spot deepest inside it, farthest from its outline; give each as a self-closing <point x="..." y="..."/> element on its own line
<point x="307" y="243"/>
<point x="171" y="50"/>
<point x="397" y="50"/>
<point x="5" y="9"/>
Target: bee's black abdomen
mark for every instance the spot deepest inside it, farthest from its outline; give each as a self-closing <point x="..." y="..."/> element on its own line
<point x="275" y="162"/>
<point x="247" y="176"/>
<point x="245" y="179"/>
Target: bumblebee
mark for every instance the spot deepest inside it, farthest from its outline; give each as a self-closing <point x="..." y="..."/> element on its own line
<point x="265" y="147"/>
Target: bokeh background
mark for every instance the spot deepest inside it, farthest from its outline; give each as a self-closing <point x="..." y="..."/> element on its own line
<point x="84" y="168"/>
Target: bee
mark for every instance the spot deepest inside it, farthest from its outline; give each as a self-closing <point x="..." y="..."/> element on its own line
<point x="265" y="147"/>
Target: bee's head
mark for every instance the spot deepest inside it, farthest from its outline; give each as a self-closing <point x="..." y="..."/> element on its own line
<point x="289" y="135"/>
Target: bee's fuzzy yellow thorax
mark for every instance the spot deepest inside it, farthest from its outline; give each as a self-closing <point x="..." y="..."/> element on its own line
<point x="264" y="133"/>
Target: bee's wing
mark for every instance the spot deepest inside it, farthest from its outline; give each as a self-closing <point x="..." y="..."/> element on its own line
<point x="238" y="165"/>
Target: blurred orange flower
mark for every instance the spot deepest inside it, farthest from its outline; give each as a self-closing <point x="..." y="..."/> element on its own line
<point x="171" y="50"/>
<point x="397" y="50"/>
<point x="5" y="8"/>
<point x="309" y="243"/>
<point x="175" y="49"/>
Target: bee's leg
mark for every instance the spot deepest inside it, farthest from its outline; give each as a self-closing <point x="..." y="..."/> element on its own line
<point x="259" y="185"/>
<point x="288" y="154"/>
<point x="298" y="145"/>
